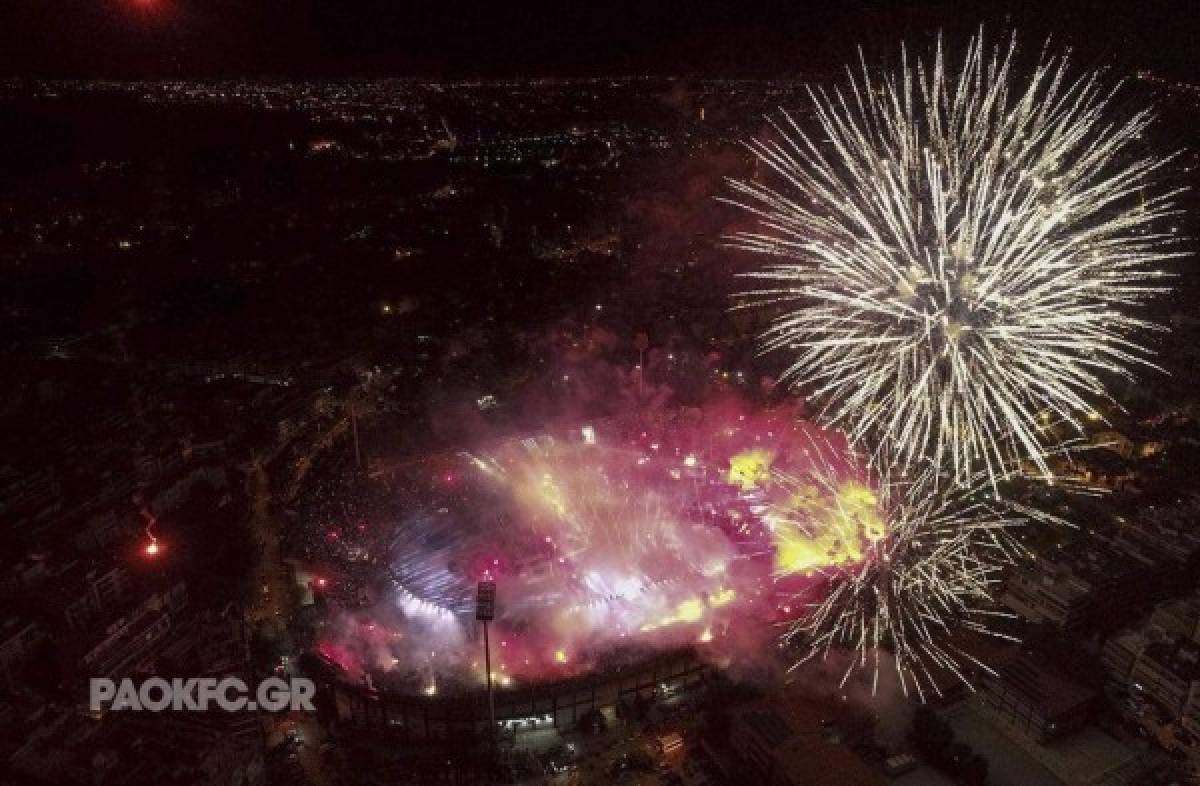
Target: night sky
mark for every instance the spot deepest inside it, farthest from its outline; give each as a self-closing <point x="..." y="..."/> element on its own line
<point x="456" y="38"/>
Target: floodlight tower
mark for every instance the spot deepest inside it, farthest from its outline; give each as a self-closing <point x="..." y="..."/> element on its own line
<point x="485" y="612"/>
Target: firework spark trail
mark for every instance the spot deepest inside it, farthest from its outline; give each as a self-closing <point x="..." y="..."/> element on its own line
<point x="931" y="574"/>
<point x="958" y="253"/>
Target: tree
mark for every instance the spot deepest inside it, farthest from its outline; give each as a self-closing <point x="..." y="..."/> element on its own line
<point x="975" y="771"/>
<point x="957" y="756"/>
<point x="931" y="735"/>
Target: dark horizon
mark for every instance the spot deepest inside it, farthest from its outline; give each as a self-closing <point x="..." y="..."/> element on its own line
<point x="155" y="39"/>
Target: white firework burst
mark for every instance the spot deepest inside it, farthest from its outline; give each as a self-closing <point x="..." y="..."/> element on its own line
<point x="930" y="577"/>
<point x="957" y="253"/>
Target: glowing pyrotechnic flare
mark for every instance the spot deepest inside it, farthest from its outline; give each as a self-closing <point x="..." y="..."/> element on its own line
<point x="957" y="252"/>
<point x="815" y="527"/>
<point x="750" y="469"/>
<point x="690" y="610"/>
<point x="722" y="597"/>
<point x="151" y="548"/>
<point x="824" y="514"/>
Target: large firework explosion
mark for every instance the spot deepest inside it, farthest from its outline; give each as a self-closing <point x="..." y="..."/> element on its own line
<point x="958" y="252"/>
<point x="928" y="575"/>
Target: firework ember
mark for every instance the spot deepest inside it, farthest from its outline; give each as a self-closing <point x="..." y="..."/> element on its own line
<point x="958" y="254"/>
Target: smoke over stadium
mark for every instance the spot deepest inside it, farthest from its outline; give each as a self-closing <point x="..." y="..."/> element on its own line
<point x="606" y="542"/>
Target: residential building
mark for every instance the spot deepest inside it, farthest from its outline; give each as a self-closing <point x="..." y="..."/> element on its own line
<point x="1036" y="701"/>
<point x="783" y="746"/>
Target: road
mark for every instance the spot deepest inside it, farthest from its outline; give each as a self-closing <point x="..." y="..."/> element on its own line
<point x="272" y="595"/>
<point x="274" y="599"/>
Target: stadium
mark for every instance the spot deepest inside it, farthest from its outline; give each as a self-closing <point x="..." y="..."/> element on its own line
<point x="627" y="557"/>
